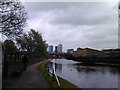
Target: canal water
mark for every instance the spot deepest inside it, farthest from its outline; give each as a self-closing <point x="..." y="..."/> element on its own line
<point x="86" y="76"/>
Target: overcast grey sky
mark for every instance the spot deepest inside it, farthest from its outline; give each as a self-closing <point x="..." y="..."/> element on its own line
<point x="75" y="24"/>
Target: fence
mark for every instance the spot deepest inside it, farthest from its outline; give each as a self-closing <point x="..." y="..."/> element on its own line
<point x="12" y="62"/>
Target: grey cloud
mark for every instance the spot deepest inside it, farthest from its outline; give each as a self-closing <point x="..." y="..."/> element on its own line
<point x="82" y="24"/>
<point x="104" y="44"/>
<point x="90" y="14"/>
<point x="80" y="13"/>
<point x="46" y="6"/>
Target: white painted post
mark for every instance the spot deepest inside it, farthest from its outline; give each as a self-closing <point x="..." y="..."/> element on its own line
<point x="55" y="74"/>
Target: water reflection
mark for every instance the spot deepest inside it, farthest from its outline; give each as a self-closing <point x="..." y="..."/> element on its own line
<point x="87" y="70"/>
<point x="86" y="76"/>
<point x="58" y="67"/>
<point x="113" y="70"/>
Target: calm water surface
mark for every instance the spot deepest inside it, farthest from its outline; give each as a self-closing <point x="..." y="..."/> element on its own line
<point x="86" y="76"/>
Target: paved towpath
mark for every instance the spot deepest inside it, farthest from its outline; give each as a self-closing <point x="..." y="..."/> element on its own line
<point x="31" y="78"/>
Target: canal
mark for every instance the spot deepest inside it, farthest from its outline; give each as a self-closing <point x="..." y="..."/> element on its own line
<point x="86" y="76"/>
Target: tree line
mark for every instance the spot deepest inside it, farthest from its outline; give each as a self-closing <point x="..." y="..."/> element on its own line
<point x="12" y="22"/>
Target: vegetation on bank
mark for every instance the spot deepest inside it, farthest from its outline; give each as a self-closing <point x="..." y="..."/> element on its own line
<point x="95" y="60"/>
<point x="52" y="81"/>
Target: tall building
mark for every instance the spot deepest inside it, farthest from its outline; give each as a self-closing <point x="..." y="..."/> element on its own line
<point x="56" y="49"/>
<point x="60" y="47"/>
<point x="50" y="49"/>
<point x="84" y="52"/>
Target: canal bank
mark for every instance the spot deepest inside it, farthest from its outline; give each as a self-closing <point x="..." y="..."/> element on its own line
<point x="52" y="80"/>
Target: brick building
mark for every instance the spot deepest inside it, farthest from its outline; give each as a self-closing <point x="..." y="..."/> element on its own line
<point x="86" y="52"/>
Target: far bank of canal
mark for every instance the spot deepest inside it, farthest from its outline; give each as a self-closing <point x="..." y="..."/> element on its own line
<point x="86" y="76"/>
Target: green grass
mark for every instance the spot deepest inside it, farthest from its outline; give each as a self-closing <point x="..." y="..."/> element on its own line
<point x="52" y="81"/>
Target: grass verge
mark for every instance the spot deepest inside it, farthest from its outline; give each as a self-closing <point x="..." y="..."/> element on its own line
<point x="52" y="81"/>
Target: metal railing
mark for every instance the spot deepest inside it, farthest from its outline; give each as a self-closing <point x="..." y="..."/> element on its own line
<point x="54" y="73"/>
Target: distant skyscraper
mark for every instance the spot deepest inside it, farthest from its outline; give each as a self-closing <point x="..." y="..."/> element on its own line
<point x="60" y="47"/>
<point x="70" y="50"/>
<point x="56" y="49"/>
<point x="50" y="49"/>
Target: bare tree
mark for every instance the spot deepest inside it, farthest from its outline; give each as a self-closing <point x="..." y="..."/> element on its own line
<point x="12" y="18"/>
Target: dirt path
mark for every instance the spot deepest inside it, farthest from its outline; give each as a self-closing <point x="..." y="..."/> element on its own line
<point x="31" y="78"/>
